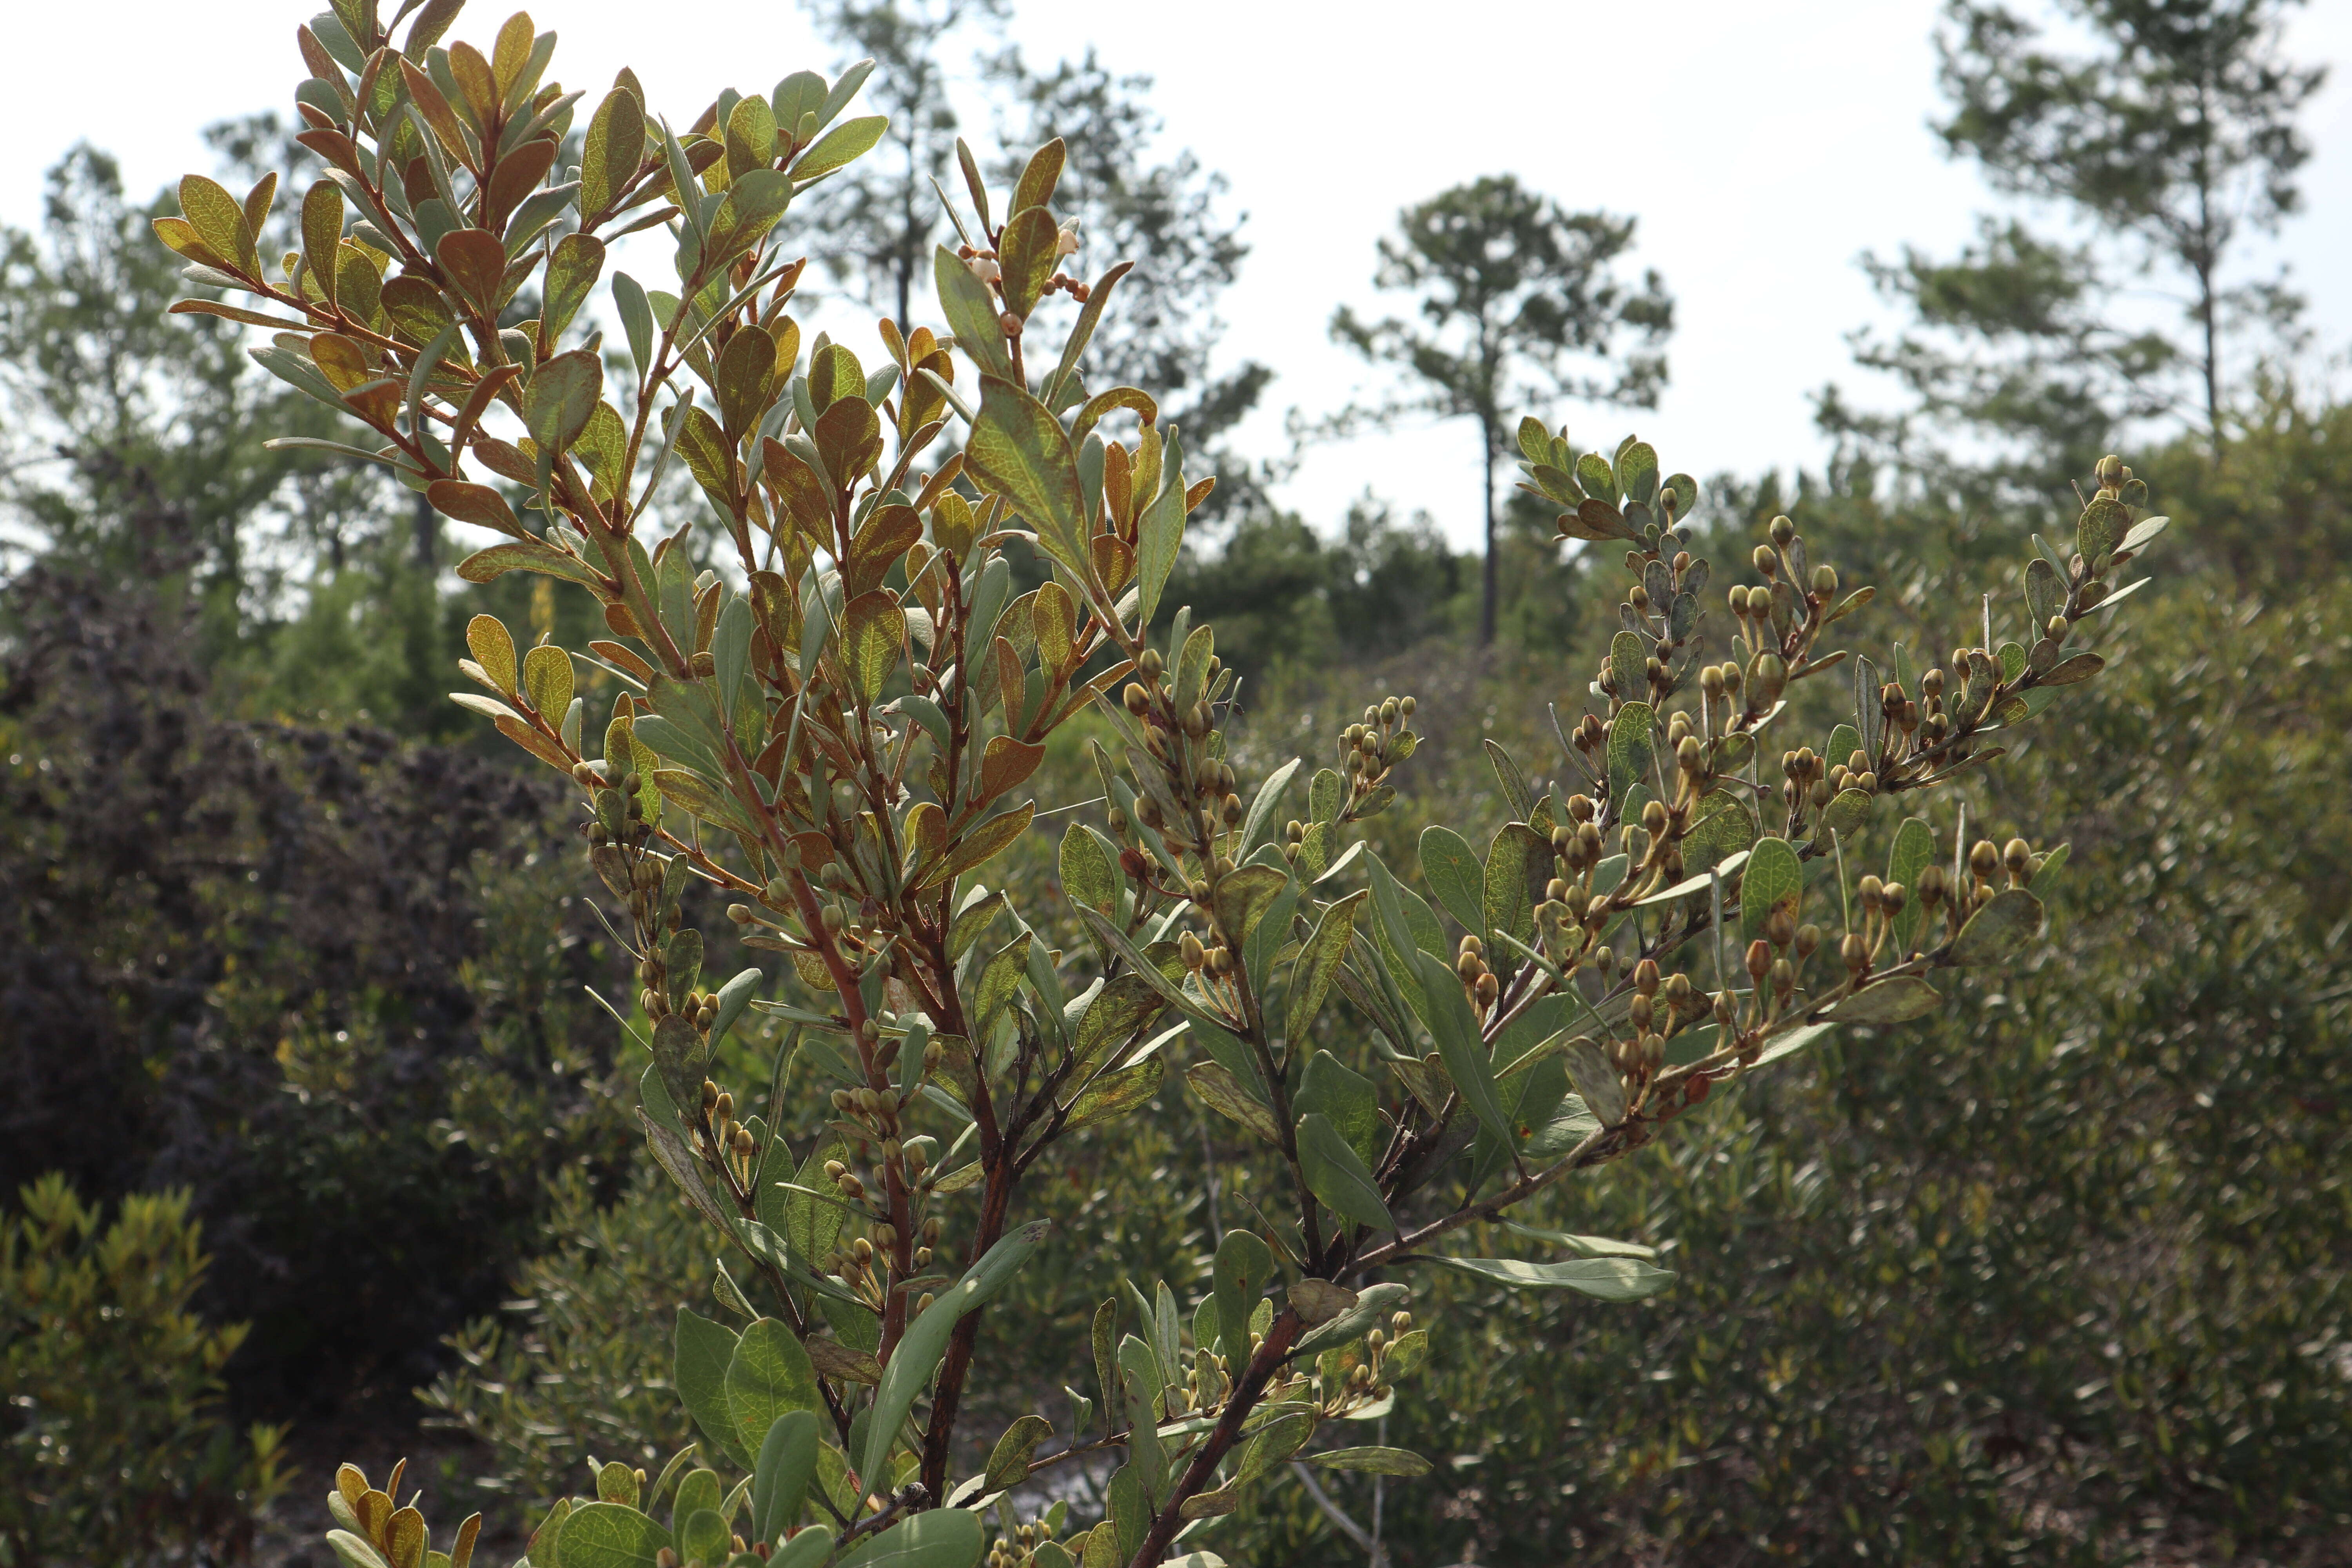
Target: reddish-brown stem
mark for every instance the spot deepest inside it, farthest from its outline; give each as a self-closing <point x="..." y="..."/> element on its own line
<point x="1280" y="1335"/>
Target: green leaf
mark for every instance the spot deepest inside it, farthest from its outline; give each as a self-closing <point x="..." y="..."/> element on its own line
<point x="1222" y="1092"/>
<point x="809" y="1549"/>
<point x="1584" y="1245"/>
<point x="609" y="1535"/>
<point x="1333" y="1090"/>
<point x="983" y="843"/>
<point x="547" y="680"/>
<point x="1116" y="1094"/>
<point x="1115" y="940"/>
<point x="1245" y="894"/>
<point x="1089" y="870"/>
<point x="2045" y="595"/>
<point x="1629" y="748"/>
<point x="1352" y="1317"/>
<point x="1915" y="847"/>
<point x="1888" y="1000"/>
<point x="1160" y="537"/>
<point x="1725" y="828"/>
<point x="703" y="1537"/>
<point x="571" y="272"/>
<point x="562" y="396"/>
<point x="1026" y="255"/>
<point x="1637" y="472"/>
<point x="917" y="1355"/>
<point x="1772" y="878"/>
<point x="1336" y="1174"/>
<point x="1451" y="870"/>
<point x="767" y="1375"/>
<point x="1008" y="1462"/>
<point x="1507" y="900"/>
<point x="850" y="140"/>
<point x="1514" y="783"/>
<point x="2096" y="531"/>
<point x="754" y="203"/>
<point x="1325" y="793"/>
<point x="1789" y="1044"/>
<point x="1319" y="965"/>
<point x="1377" y="1461"/>
<point x="1262" y="806"/>
<point x="1019" y="450"/>
<point x="1455" y="1029"/>
<point x="780" y="1481"/>
<point x="2001" y="929"/>
<point x="614" y="147"/>
<point x="1847" y="810"/>
<point x="699" y="1372"/>
<point x="1597" y="1083"/>
<point x="971" y="312"/>
<point x="872" y="634"/>
<point x="1609" y="1279"/>
<point x="1244" y="1268"/>
<point x="682" y="1057"/>
<point x="1629" y="659"/>
<point x="943" y="1538"/>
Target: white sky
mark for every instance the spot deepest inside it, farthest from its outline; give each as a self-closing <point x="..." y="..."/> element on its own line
<point x="1763" y="146"/>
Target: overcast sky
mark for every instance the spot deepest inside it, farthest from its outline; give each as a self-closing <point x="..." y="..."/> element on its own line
<point x="1763" y="147"/>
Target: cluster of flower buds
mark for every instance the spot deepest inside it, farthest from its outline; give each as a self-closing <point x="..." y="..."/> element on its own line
<point x="727" y="1139"/>
<point x="620" y="808"/>
<point x="1776" y="961"/>
<point x="1021" y="1546"/>
<point x="1882" y="903"/>
<point x="1479" y="981"/>
<point x="1212" y="960"/>
<point x="868" y="1111"/>
<point x="1200" y="782"/>
<point x="1805" y="780"/>
<point x="1368" y="750"/>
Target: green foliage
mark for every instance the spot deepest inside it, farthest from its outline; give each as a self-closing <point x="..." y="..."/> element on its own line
<point x="2033" y="1260"/>
<point x="325" y="979"/>
<point x="116" y="1446"/>
<point x="578" y="1364"/>
<point x="844" y="732"/>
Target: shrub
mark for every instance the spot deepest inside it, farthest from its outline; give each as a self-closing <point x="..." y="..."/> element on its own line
<point x="312" y="975"/>
<point x="837" y="729"/>
<point x="116" y="1449"/>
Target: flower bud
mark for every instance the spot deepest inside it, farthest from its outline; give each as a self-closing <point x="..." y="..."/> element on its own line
<point x="1760" y="960"/>
<point x="1780" y="927"/>
<point x="1136" y="700"/>
<point x="1767" y="562"/>
<point x="1783" y="531"/>
<point x="1769" y="675"/>
<point x="1653" y="817"/>
<point x="2016" y="857"/>
<point x="1854" y="951"/>
<point x="1984" y="859"/>
<point x="1825" y="580"/>
<point x="1809" y="938"/>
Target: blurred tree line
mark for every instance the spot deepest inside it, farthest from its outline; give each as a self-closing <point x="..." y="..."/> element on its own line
<point x="2068" y="1287"/>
